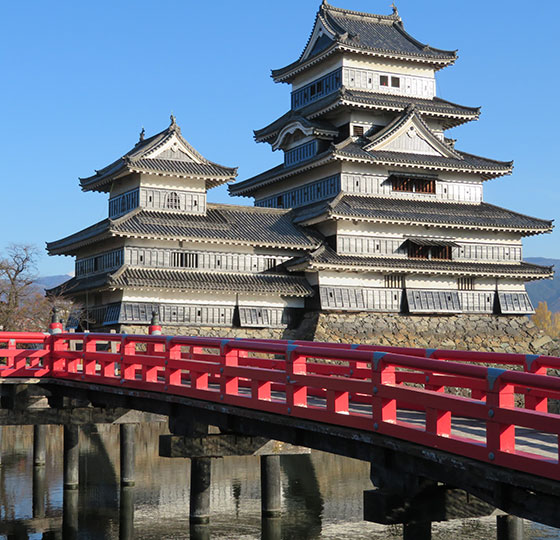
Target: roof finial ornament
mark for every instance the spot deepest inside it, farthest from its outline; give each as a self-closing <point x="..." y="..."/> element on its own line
<point x="395" y="10"/>
<point x="142" y="135"/>
<point x="173" y="121"/>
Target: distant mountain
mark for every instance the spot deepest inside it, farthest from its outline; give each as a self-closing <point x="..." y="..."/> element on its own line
<point x="546" y="290"/>
<point x="48" y="282"/>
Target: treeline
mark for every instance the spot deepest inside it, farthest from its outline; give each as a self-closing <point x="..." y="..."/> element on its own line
<point x="23" y="306"/>
<point x="547" y="321"/>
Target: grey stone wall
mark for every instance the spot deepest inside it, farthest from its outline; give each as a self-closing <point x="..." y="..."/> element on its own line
<point x="462" y="332"/>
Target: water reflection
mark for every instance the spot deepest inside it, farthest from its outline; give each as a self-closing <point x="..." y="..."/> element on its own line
<point x="322" y="496"/>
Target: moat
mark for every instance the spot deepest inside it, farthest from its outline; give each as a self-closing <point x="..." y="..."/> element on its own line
<point x="322" y="495"/>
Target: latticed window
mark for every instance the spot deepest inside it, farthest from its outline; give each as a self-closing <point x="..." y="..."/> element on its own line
<point x="173" y="201"/>
<point x="413" y="185"/>
<point x="394" y="281"/>
<point x="465" y="284"/>
<point x="358" y="131"/>
<point x="180" y="259"/>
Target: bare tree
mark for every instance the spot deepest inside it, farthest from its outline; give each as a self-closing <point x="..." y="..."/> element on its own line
<point x="17" y="273"/>
<point x="23" y="307"/>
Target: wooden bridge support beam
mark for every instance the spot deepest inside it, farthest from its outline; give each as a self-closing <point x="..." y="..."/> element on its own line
<point x="39" y="445"/>
<point x="38" y="495"/>
<point x="201" y="449"/>
<point x="70" y="527"/>
<point x="271" y="486"/>
<point x="126" y="514"/>
<point x="201" y="472"/>
<point x="509" y="528"/>
<point x="127" y="432"/>
<point x="71" y="457"/>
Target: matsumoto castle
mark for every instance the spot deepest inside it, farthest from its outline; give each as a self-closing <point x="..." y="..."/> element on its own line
<point x="373" y="208"/>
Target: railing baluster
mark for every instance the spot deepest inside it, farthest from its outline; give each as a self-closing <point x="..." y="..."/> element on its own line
<point x="383" y="409"/>
<point x="172" y="354"/>
<point x="499" y="437"/>
<point x="296" y="364"/>
<point x="229" y="357"/>
<point x="437" y="421"/>
<point x="532" y="402"/>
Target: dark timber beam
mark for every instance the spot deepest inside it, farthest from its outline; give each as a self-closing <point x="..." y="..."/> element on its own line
<point x="127" y="432"/>
<point x="71" y="457"/>
<point x="39" y="445"/>
<point x="509" y="528"/>
<point x="201" y="472"/>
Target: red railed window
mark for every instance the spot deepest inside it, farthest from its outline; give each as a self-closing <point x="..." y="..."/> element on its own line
<point x="414" y="185"/>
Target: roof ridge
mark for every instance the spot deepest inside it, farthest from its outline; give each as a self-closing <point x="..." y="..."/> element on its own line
<point x="393" y="17"/>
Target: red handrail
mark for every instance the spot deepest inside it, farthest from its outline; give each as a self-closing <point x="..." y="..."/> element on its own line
<point x="362" y="387"/>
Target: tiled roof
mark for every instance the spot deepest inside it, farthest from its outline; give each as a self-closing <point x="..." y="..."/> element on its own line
<point x="180" y="167"/>
<point x="453" y="114"/>
<point x="352" y="149"/>
<point x="326" y="258"/>
<point x="224" y="224"/>
<point x="188" y="280"/>
<point x="391" y="210"/>
<point x="77" y="285"/>
<point x="375" y="34"/>
<point x="186" y="163"/>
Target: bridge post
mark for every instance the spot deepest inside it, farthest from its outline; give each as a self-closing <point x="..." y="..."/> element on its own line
<point x="39" y="445"/>
<point x="70" y="514"/>
<point x="200" y="490"/>
<point x="509" y="528"/>
<point x="417" y="531"/>
<point x="38" y="496"/>
<point x="127" y="432"/>
<point x="271" y="486"/>
<point x="126" y="514"/>
<point x="71" y="457"/>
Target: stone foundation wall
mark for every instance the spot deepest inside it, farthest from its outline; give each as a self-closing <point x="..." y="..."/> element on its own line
<point x="463" y="332"/>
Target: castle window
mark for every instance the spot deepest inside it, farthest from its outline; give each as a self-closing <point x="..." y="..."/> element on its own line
<point x="180" y="259"/>
<point x="395" y="82"/>
<point x="384" y="80"/>
<point x="465" y="284"/>
<point x="358" y="131"/>
<point x="413" y="185"/>
<point x="394" y="281"/>
<point x="173" y="201"/>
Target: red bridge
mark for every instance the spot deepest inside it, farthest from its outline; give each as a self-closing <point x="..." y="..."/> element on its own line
<point x="425" y="419"/>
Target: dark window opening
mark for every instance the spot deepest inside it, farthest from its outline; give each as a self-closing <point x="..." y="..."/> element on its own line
<point x="395" y="82"/>
<point x="280" y="202"/>
<point x="181" y="259"/>
<point x="173" y="201"/>
<point x="465" y="284"/>
<point x="384" y="80"/>
<point x="358" y="131"/>
<point x="414" y="185"/>
<point x="440" y="253"/>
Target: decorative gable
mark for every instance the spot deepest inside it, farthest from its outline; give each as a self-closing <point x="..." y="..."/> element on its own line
<point x="410" y="134"/>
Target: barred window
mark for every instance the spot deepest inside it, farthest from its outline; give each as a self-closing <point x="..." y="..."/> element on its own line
<point x="173" y="201"/>
<point x="181" y="259"/>
<point x="465" y="284"/>
<point x="358" y="131"/>
<point x="394" y="281"/>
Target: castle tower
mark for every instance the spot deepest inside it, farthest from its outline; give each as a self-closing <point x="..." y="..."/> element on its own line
<point x="368" y="165"/>
<point x="163" y="248"/>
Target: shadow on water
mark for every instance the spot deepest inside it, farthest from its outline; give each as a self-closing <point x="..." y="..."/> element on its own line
<point x="303" y="499"/>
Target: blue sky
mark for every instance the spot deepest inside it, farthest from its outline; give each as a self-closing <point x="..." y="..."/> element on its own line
<point x="80" y="79"/>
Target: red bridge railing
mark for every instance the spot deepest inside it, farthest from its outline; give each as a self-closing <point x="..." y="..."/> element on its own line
<point x="410" y="394"/>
